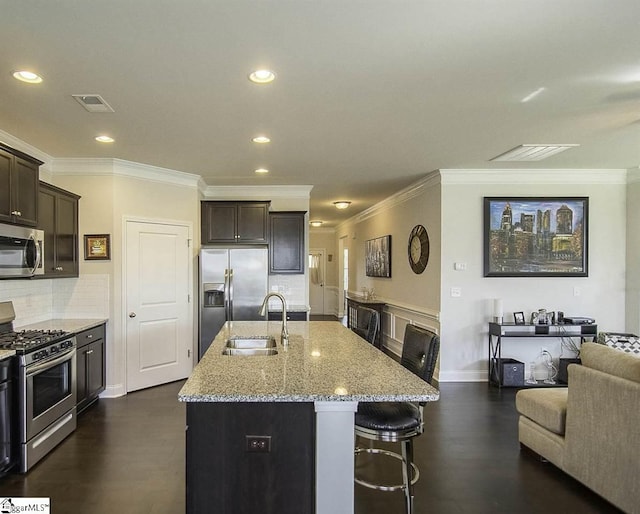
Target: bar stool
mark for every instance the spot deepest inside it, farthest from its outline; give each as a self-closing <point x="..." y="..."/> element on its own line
<point x="400" y="421"/>
<point x="367" y="324"/>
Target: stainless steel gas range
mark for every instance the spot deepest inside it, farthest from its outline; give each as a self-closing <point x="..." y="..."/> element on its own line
<point x="45" y="379"/>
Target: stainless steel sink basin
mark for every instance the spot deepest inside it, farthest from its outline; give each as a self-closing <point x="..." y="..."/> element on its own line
<point x="249" y="351"/>
<point x="250" y="342"/>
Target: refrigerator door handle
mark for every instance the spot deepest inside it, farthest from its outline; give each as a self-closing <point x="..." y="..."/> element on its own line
<point x="226" y="294"/>
<point x="230" y="317"/>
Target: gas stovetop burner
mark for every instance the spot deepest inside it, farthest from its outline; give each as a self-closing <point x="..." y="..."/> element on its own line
<point x="28" y="340"/>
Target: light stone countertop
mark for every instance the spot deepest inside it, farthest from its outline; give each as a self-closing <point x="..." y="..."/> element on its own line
<point x="5" y="354"/>
<point x="324" y="362"/>
<point x="68" y="325"/>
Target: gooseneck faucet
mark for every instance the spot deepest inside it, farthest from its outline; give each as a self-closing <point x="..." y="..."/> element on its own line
<point x="284" y="335"/>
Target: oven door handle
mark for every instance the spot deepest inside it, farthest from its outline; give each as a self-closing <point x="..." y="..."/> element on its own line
<point x="37" y="368"/>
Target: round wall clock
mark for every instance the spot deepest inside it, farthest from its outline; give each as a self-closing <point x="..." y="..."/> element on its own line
<point x="418" y="249"/>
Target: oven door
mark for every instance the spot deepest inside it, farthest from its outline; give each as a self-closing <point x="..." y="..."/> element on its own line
<point x="48" y="392"/>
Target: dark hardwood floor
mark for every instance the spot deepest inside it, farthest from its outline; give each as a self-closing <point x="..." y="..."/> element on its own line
<point x="127" y="456"/>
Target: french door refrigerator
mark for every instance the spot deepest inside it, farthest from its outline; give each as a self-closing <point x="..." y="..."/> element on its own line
<point x="233" y="283"/>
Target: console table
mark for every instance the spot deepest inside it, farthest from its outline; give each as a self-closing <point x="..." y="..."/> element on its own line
<point x="500" y="331"/>
<point x="352" y="314"/>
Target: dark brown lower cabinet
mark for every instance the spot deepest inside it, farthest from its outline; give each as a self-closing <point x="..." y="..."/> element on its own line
<point x="225" y="477"/>
<point x="90" y="366"/>
<point x="291" y="316"/>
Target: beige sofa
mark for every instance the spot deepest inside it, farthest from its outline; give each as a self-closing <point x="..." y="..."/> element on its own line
<point x="590" y="429"/>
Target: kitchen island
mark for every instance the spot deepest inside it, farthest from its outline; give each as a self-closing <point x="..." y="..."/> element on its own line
<point x="278" y="430"/>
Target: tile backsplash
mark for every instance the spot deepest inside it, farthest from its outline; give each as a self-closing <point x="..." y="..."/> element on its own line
<point x="40" y="300"/>
<point x="292" y="287"/>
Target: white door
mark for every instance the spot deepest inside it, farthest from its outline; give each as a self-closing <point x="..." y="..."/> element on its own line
<point x="316" y="281"/>
<point x="159" y="321"/>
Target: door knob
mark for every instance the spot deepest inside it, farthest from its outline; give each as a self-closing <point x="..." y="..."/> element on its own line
<point x="132" y="314"/>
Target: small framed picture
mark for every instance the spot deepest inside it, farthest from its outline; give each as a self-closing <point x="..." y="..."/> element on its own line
<point x="97" y="247"/>
<point x="518" y="317"/>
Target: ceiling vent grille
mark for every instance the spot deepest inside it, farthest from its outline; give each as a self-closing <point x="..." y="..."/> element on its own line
<point x="532" y="152"/>
<point x="93" y="103"/>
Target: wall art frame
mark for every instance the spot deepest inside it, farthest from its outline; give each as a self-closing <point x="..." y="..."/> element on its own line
<point x="378" y="257"/>
<point x="97" y="247"/>
<point x="536" y="236"/>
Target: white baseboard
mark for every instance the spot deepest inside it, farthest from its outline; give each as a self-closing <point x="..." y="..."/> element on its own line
<point x="463" y="376"/>
<point x="114" y="391"/>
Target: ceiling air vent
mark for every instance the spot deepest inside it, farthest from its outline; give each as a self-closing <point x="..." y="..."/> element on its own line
<point x="532" y="152"/>
<point x="93" y="103"/>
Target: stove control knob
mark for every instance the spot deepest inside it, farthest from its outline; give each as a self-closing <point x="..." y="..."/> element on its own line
<point x="55" y="349"/>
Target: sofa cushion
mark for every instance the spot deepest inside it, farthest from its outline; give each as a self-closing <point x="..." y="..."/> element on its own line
<point x="608" y="360"/>
<point x="547" y="407"/>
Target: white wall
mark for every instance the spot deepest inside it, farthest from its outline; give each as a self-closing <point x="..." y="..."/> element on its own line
<point x="464" y="353"/>
<point x="633" y="253"/>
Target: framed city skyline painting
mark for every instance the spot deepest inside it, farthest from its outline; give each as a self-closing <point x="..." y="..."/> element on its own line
<point x="536" y="236"/>
<point x="378" y="257"/>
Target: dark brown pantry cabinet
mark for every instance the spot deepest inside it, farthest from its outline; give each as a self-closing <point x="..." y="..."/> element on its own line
<point x="19" y="183"/>
<point x="234" y="222"/>
<point x="90" y="366"/>
<point x="286" y="243"/>
<point x="58" y="217"/>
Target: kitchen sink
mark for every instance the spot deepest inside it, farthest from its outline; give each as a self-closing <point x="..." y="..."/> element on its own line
<point x="249" y="351"/>
<point x="250" y="345"/>
<point x="244" y="342"/>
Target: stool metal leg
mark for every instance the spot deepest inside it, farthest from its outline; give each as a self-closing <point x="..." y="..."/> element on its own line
<point x="407" y="457"/>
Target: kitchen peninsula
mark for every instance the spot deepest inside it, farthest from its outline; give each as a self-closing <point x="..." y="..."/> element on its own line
<point x="275" y="433"/>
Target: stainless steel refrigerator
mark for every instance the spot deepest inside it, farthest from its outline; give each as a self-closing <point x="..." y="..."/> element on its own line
<point x="233" y="283"/>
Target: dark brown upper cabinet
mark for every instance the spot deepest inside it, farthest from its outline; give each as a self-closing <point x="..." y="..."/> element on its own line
<point x="235" y="222"/>
<point x="58" y="212"/>
<point x="19" y="182"/>
<point x="286" y="245"/>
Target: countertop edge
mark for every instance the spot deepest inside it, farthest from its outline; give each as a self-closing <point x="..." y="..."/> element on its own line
<point x="205" y="398"/>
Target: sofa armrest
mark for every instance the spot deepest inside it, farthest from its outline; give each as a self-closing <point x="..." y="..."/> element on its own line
<point x="602" y="438"/>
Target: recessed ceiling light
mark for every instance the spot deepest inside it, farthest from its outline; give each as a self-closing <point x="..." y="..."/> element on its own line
<point x="532" y="152"/>
<point x="316" y="223"/>
<point x="261" y="139"/>
<point x="104" y="139"/>
<point x="262" y="170"/>
<point x="27" y="76"/>
<point x="262" y="76"/>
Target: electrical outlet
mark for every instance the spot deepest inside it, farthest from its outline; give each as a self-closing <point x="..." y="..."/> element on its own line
<point x="258" y="443"/>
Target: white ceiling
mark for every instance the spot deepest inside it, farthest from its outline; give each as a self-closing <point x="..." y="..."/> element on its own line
<point x="371" y="95"/>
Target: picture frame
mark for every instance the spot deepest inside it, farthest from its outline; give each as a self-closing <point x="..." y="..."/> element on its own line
<point x="378" y="257"/>
<point x="518" y="318"/>
<point x="536" y="236"/>
<point x="97" y="247"/>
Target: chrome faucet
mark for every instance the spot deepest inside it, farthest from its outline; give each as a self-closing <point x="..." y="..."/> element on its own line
<point x="284" y="335"/>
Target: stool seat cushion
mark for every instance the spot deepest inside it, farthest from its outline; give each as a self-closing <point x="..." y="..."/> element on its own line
<point x="388" y="416"/>
<point x="547" y="407"/>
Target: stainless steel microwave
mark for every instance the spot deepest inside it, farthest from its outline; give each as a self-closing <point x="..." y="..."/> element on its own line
<point x="21" y="251"/>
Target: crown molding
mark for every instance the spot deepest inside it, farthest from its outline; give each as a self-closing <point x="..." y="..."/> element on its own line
<point x="404" y="195"/>
<point x="119" y="167"/>
<point x="633" y="176"/>
<point x="19" y="144"/>
<point x="533" y="176"/>
<point x="256" y="192"/>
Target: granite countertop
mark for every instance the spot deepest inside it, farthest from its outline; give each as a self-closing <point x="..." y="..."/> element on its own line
<point x="5" y="354"/>
<point x="68" y="325"/>
<point x="324" y="362"/>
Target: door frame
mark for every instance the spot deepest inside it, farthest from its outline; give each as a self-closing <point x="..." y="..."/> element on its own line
<point x="323" y="252"/>
<point x="123" y="285"/>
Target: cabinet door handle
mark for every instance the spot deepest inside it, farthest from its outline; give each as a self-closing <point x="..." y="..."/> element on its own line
<point x="59" y="268"/>
<point x="89" y="352"/>
<point x="16" y="213"/>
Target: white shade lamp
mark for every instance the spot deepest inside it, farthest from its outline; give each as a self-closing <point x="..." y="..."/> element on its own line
<point x="497" y="310"/>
